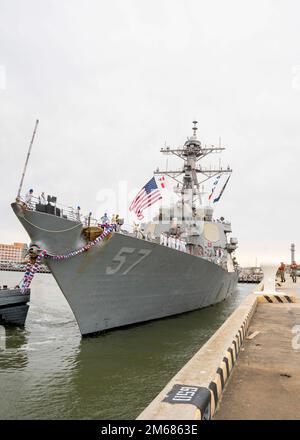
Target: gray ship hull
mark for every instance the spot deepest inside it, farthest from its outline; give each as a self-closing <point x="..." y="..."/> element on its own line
<point x="125" y="280"/>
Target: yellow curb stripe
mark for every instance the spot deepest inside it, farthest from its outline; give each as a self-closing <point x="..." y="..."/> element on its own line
<point x="276" y="299"/>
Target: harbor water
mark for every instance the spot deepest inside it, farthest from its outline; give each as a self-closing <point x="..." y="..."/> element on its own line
<point x="47" y="371"/>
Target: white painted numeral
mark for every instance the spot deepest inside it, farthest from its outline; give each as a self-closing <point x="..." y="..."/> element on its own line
<point x="144" y="253"/>
<point x="120" y="258"/>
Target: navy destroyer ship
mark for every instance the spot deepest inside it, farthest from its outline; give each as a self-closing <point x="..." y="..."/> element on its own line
<point x="180" y="261"/>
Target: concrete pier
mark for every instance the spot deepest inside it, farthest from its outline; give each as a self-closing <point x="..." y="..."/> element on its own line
<point x="265" y="383"/>
<point x="249" y="369"/>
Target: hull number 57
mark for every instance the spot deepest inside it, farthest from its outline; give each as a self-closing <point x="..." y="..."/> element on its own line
<point x="121" y="258"/>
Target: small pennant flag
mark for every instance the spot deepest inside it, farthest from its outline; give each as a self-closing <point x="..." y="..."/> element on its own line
<point x="214" y="186"/>
<point x="162" y="181"/>
<point x="222" y="190"/>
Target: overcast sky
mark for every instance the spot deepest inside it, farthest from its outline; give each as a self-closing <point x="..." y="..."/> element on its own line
<point x="111" y="82"/>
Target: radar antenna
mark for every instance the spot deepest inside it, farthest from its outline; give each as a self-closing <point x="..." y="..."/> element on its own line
<point x="187" y="177"/>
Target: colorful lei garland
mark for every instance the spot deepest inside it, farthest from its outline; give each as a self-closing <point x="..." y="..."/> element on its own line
<point x="31" y="269"/>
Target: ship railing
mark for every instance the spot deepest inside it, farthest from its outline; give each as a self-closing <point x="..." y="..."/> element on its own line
<point x="62" y="211"/>
<point x="57" y="209"/>
<point x="87" y="220"/>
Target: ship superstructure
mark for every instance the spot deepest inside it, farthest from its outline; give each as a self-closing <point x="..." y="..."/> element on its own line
<point x="188" y="225"/>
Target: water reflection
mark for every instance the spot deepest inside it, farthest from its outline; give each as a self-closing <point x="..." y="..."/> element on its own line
<point x="12" y="342"/>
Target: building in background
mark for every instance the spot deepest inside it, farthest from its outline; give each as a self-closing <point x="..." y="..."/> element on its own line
<point x="13" y="252"/>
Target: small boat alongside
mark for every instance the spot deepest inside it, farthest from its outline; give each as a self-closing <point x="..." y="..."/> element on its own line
<point x="13" y="306"/>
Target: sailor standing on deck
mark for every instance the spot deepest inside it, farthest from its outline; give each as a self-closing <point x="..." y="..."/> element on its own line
<point x="28" y="197"/>
<point x="78" y="213"/>
<point x="294" y="267"/>
<point x="105" y="219"/>
<point x="42" y="198"/>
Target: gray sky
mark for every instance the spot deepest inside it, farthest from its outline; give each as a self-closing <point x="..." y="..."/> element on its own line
<point x="111" y="82"/>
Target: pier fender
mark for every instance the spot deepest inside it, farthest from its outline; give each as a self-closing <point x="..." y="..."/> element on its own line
<point x="191" y="395"/>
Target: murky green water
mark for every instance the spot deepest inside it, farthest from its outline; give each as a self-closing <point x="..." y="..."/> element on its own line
<point x="48" y="372"/>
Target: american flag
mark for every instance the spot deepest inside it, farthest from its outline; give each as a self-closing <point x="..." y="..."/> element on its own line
<point x="148" y="195"/>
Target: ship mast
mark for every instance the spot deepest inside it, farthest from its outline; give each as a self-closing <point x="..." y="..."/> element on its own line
<point x="192" y="175"/>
